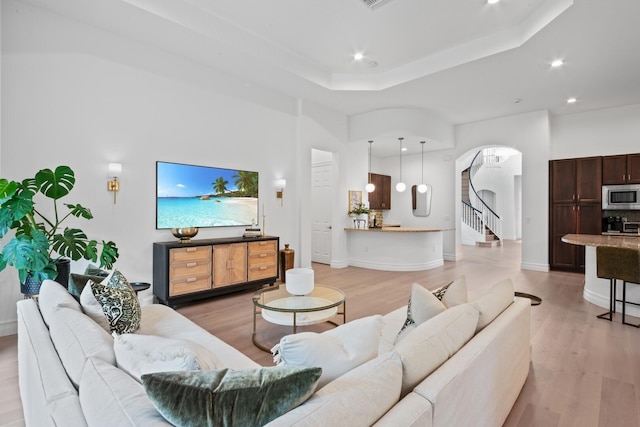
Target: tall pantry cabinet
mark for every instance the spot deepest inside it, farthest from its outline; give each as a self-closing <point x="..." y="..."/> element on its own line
<point x="575" y="206"/>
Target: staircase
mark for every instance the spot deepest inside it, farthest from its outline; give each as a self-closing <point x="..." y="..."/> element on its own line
<point x="482" y="221"/>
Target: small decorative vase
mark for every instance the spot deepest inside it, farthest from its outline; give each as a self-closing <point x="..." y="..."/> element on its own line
<point x="185" y="233"/>
<point x="300" y="281"/>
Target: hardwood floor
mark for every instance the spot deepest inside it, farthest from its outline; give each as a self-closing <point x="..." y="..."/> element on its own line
<point x="584" y="372"/>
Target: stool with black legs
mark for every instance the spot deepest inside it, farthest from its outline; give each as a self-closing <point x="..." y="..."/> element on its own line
<point x="618" y="264"/>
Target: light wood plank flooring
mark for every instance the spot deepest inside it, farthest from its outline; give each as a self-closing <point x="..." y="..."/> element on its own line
<point x="584" y="372"/>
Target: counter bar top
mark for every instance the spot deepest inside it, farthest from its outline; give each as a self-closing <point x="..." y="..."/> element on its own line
<point x="630" y="241"/>
<point x="396" y="229"/>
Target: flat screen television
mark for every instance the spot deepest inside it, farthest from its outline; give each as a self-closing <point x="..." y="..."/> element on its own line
<point x="203" y="196"/>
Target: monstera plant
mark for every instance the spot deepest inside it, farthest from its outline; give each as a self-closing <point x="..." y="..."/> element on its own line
<point x="39" y="242"/>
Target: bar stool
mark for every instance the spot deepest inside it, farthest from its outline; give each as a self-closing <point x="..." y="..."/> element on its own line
<point x="618" y="264"/>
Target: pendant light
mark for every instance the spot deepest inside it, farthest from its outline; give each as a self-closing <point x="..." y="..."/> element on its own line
<point x="422" y="188"/>
<point x="400" y="187"/>
<point x="370" y="187"/>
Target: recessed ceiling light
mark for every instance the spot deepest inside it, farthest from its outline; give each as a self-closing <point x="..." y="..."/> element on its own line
<point x="492" y="1"/>
<point x="358" y="56"/>
<point x="557" y="63"/>
<point x="571" y="100"/>
<point x="404" y="148"/>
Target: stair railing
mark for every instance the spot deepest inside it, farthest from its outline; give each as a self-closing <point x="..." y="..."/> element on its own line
<point x="490" y="219"/>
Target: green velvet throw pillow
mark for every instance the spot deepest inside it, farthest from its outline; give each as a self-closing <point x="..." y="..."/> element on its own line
<point x="77" y="283"/>
<point x="250" y="397"/>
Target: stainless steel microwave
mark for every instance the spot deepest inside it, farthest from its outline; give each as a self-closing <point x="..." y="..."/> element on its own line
<point x="621" y="197"/>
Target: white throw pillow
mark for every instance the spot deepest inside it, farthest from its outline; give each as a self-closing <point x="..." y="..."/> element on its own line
<point x="493" y="302"/>
<point x="455" y="293"/>
<point x="423" y="305"/>
<point x="93" y="308"/>
<point x="336" y="351"/>
<point x="357" y="399"/>
<point x="145" y="354"/>
<point x="435" y="341"/>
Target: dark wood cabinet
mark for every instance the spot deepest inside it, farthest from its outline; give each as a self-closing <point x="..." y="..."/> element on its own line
<point x="380" y="198"/>
<point x="575" y="193"/>
<point x="621" y="169"/>
<point x="184" y="272"/>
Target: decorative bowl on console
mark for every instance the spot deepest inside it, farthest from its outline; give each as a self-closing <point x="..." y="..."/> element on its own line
<point x="185" y="233"/>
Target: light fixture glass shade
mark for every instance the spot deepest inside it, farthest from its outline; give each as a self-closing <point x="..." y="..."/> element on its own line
<point x="370" y="188"/>
<point x="422" y="188"/>
<point x="400" y="187"/>
<point x="115" y="169"/>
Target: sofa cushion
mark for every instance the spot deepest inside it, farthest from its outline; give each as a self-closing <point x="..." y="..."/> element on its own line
<point x="433" y="342"/>
<point x="76" y="338"/>
<point x="112" y="303"/>
<point x="423" y="305"/>
<point x="110" y="397"/>
<point x="493" y="302"/>
<point x="224" y="397"/>
<point x="336" y="351"/>
<point x="144" y="354"/>
<point x="357" y="398"/>
<point x="53" y="296"/>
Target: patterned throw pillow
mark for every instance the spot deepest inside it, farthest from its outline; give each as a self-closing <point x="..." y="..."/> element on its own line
<point x="119" y="303"/>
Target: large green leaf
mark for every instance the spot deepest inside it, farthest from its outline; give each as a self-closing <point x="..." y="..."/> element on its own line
<point x="109" y="254"/>
<point x="7" y="189"/>
<point x="27" y="253"/>
<point x="71" y="243"/>
<point x="56" y="184"/>
<point x="3" y="263"/>
<point x="79" y="211"/>
<point x="49" y="272"/>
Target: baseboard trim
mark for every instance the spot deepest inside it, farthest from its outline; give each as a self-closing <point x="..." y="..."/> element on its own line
<point x="534" y="267"/>
<point x="8" y="328"/>
<point x="396" y="267"/>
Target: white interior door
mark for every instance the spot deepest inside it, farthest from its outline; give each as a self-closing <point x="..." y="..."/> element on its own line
<point x="321" y="212"/>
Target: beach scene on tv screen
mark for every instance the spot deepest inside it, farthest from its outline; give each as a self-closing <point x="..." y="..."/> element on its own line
<point x="202" y="196"/>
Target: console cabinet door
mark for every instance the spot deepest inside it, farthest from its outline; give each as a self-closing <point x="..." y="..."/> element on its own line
<point x="229" y="264"/>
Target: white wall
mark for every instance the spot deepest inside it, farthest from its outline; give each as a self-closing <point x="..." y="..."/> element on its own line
<point x="596" y="133"/>
<point x="76" y="95"/>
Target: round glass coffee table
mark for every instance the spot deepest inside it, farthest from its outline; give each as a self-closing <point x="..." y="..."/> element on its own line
<point x="282" y="308"/>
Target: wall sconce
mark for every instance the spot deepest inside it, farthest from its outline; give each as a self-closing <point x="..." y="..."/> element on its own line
<point x="114" y="185"/>
<point x="280" y="184"/>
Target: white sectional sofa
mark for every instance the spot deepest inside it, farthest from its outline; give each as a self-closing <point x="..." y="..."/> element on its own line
<point x="69" y="377"/>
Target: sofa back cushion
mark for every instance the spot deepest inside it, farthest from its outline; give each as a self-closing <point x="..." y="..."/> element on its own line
<point x="110" y="397"/>
<point x="493" y="302"/>
<point x="356" y="399"/>
<point x="53" y="296"/>
<point x="76" y="338"/>
<point x="433" y="342"/>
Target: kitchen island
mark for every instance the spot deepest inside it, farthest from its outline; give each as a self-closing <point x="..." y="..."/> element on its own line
<point x="395" y="248"/>
<point x="596" y="290"/>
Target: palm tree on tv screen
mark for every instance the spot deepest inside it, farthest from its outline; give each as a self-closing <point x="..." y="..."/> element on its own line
<point x="247" y="183"/>
<point x="220" y="185"/>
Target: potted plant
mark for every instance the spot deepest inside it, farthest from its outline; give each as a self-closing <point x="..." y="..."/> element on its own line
<point x="40" y="249"/>
<point x="360" y="211"/>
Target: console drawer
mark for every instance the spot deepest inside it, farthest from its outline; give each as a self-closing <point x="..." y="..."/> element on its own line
<point x="191" y="253"/>
<point x="186" y="285"/>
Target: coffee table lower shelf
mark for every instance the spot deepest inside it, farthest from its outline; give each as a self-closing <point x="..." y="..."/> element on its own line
<point x="297" y="311"/>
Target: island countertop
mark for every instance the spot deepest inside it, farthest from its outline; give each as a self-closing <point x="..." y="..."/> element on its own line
<point x="395" y="229"/>
<point x="630" y="241"/>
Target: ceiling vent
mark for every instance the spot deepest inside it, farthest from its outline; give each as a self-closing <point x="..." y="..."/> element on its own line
<point x="374" y="4"/>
